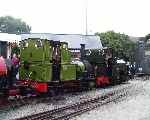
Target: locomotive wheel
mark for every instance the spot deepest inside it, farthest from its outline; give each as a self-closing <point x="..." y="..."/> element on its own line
<point x="55" y="92"/>
<point x="51" y="93"/>
<point x="114" y="81"/>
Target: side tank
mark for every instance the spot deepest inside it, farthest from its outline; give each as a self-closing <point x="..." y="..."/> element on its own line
<point x="36" y="55"/>
<point x="68" y="70"/>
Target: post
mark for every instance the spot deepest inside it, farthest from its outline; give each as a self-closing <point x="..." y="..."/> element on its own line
<point x="86" y="21"/>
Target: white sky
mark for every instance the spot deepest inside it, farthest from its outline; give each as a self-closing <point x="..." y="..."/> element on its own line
<point x="68" y="16"/>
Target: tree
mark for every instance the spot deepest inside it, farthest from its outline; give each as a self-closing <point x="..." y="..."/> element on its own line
<point x="12" y="25"/>
<point x="122" y="45"/>
<point x="147" y="37"/>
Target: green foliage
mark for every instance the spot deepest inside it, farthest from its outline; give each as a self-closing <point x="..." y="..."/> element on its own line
<point x="147" y="37"/>
<point x="122" y="45"/>
<point x="12" y="25"/>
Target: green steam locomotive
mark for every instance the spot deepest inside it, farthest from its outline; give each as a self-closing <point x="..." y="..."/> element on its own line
<point x="47" y="66"/>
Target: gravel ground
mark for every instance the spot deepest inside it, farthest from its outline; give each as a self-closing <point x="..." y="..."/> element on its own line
<point x="65" y="100"/>
<point x="135" y="107"/>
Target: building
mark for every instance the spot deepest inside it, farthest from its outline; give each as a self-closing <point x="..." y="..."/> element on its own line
<point x="73" y="40"/>
<point x="10" y="37"/>
<point x="6" y="43"/>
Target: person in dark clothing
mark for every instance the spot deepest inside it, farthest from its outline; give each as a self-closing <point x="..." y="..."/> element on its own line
<point x="56" y="70"/>
<point x="109" y="67"/>
<point x="132" y="70"/>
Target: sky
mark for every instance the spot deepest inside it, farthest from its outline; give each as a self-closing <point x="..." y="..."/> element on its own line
<point x="69" y="16"/>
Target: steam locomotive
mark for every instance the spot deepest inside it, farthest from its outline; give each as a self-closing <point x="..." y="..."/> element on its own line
<point x="46" y="67"/>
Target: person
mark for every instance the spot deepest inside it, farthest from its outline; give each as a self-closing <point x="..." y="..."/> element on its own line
<point x="3" y="69"/>
<point x="56" y="70"/>
<point x="109" y="68"/>
<point x="132" y="69"/>
<point x="15" y="60"/>
<point x="9" y="73"/>
<point x="3" y="72"/>
<point x="15" y="67"/>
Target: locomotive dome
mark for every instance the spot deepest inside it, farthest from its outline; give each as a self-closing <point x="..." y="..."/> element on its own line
<point x="73" y="40"/>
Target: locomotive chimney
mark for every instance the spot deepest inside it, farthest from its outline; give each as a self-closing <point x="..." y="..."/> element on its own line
<point x="82" y="51"/>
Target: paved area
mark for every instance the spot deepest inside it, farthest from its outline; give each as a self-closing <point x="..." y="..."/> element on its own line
<point x="128" y="109"/>
<point x="136" y="107"/>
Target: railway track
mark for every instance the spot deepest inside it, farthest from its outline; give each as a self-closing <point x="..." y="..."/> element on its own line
<point x="16" y="103"/>
<point x="69" y="111"/>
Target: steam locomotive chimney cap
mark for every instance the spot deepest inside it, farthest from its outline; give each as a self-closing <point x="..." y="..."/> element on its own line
<point x="82" y="45"/>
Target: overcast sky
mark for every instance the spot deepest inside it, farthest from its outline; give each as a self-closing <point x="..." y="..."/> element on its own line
<point x="131" y="17"/>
